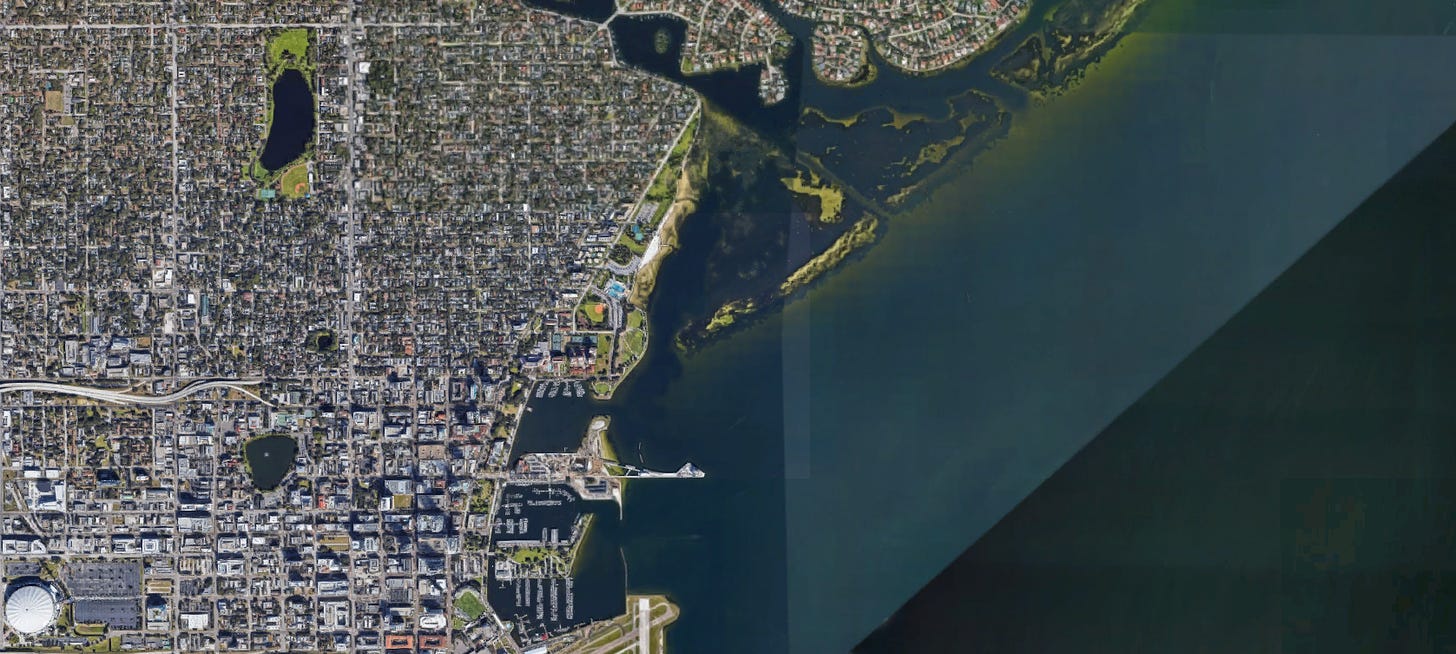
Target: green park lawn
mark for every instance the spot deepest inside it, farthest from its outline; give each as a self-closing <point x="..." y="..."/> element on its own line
<point x="289" y="48"/>
<point x="294" y="183"/>
<point x="470" y="605"/>
<point x="595" y="312"/>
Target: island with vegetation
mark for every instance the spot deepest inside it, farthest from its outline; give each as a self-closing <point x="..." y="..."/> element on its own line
<point x="1077" y="33"/>
<point x="862" y="234"/>
<point x="820" y="198"/>
<point x="735" y="313"/>
<point x="844" y="144"/>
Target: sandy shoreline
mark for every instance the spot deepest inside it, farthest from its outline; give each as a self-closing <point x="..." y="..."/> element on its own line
<point x="664" y="240"/>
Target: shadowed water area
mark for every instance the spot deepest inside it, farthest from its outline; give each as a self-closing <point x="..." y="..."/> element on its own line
<point x="1006" y="320"/>
<point x="1286" y="489"/>
<point x="857" y="443"/>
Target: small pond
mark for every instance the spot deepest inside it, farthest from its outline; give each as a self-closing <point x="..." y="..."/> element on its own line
<point x="269" y="459"/>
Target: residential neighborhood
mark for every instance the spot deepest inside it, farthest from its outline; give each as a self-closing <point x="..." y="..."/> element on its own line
<point x="471" y="170"/>
<point x="913" y="35"/>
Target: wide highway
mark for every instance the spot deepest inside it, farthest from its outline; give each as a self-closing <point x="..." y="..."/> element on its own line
<point x="120" y="397"/>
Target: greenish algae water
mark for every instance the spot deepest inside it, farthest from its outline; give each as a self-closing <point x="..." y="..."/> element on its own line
<point x="1021" y="307"/>
<point x="1287" y="488"/>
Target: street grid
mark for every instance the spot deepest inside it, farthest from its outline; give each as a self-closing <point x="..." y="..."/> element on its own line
<point x="473" y="164"/>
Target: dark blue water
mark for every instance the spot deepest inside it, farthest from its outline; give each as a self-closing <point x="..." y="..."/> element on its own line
<point x="597" y="11"/>
<point x="715" y="544"/>
<point x="293" y="121"/>
<point x="553" y="424"/>
<point x="592" y="592"/>
<point x="858" y="442"/>
<point x="634" y="41"/>
<point x="1041" y="292"/>
<point x="1287" y="488"/>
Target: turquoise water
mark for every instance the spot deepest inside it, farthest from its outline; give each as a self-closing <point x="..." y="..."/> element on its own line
<point x="858" y="442"/>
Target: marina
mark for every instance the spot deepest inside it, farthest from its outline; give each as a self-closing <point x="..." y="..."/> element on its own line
<point x="566" y="388"/>
<point x="537" y="580"/>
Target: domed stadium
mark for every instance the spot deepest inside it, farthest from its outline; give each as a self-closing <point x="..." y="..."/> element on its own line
<point x="30" y="608"/>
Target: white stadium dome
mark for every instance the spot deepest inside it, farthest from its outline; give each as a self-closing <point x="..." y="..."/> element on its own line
<point x="30" y="609"/>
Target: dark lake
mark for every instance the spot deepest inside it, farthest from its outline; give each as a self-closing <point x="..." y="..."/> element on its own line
<point x="269" y="459"/>
<point x="293" y="121"/>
